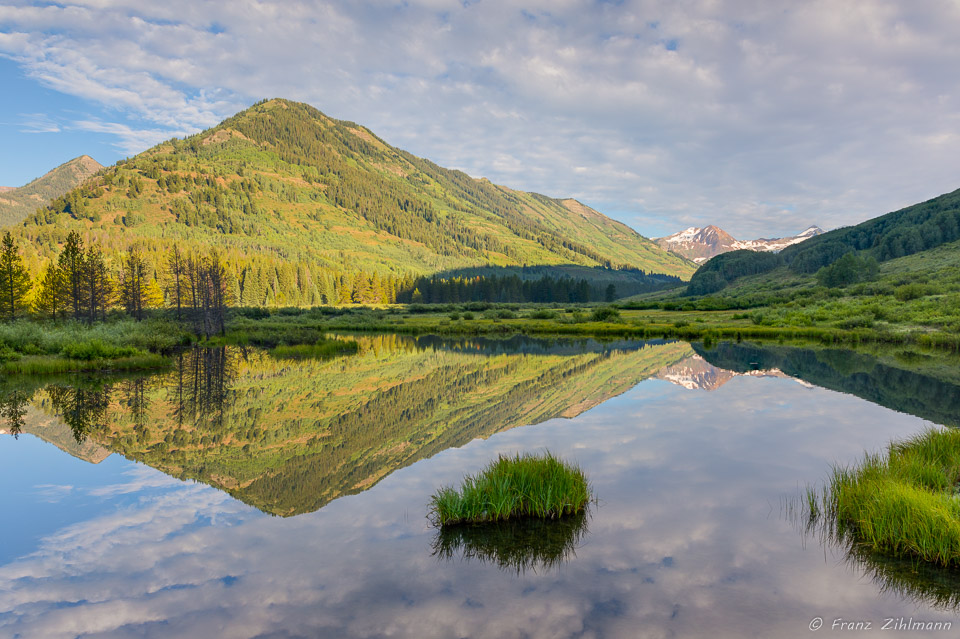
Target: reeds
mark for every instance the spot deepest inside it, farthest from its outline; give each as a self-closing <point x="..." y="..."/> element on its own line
<point x="904" y="503"/>
<point x="540" y="486"/>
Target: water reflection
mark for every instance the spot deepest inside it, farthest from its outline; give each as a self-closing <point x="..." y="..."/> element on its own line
<point x="514" y="545"/>
<point x="289" y="436"/>
<point x="684" y="544"/>
<point x="13" y="407"/>
<point x="926" y="584"/>
<point x="897" y="379"/>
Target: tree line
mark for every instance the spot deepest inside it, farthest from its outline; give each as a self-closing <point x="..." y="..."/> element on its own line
<point x="79" y="284"/>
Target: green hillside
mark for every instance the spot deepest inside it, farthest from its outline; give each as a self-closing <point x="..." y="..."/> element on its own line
<point x="850" y="251"/>
<point x="19" y="203"/>
<point x="290" y="436"/>
<point x="309" y="210"/>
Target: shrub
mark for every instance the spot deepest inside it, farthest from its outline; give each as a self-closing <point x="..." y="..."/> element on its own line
<point x="605" y="314"/>
<point x="97" y="349"/>
<point x="908" y="292"/>
<point x="543" y="314"/>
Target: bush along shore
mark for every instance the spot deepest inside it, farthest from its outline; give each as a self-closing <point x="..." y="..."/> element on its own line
<point x="905" y="503"/>
<point x="537" y="486"/>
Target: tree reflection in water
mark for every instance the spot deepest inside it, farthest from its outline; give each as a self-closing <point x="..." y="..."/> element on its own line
<point x="82" y="407"/>
<point x="516" y="545"/>
<point x="13" y="407"/>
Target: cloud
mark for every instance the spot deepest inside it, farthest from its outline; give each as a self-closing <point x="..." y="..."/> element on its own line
<point x="761" y="118"/>
<point x="37" y="123"/>
<point x="129" y="140"/>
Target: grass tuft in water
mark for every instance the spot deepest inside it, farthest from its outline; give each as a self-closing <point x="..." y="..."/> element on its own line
<point x="904" y="503"/>
<point x="539" y="486"/>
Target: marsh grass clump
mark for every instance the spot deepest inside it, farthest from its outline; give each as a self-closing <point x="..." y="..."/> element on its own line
<point x="538" y="486"/>
<point x="904" y="503"/>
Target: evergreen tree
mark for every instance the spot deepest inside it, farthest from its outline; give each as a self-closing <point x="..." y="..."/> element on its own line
<point x="14" y="280"/>
<point x="97" y="288"/>
<point x="50" y="297"/>
<point x="71" y="266"/>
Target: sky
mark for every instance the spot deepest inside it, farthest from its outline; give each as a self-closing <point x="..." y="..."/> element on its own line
<point x="760" y="116"/>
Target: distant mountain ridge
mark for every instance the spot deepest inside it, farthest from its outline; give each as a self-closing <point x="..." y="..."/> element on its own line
<point x="17" y="203"/>
<point x="700" y="244"/>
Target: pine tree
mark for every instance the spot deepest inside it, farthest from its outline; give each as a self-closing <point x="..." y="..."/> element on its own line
<point x="49" y="299"/>
<point x="71" y="266"/>
<point x="14" y="280"/>
<point x="97" y="288"/>
<point x="176" y="267"/>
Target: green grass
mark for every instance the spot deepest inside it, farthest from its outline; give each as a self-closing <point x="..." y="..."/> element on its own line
<point x="31" y="347"/>
<point x="50" y="364"/>
<point x="904" y="503"/>
<point x="539" y="486"/>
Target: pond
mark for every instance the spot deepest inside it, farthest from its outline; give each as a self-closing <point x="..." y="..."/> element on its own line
<point x="240" y="495"/>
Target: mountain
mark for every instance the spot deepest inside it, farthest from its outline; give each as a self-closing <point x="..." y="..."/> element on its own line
<point x="17" y="203"/>
<point x="307" y="209"/>
<point x="852" y="253"/>
<point x="700" y="244"/>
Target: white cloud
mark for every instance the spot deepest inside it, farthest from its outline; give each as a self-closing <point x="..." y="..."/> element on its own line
<point x="38" y="123"/>
<point x="680" y="113"/>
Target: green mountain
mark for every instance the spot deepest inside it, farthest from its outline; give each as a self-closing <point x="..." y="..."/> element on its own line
<point x="848" y="251"/>
<point x="16" y="204"/>
<point x="290" y="436"/>
<point x="307" y="210"/>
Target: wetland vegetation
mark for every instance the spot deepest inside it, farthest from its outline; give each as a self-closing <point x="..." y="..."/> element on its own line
<point x="518" y="487"/>
<point x="903" y="502"/>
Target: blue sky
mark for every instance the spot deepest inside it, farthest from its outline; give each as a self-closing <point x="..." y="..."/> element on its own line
<point x="760" y="117"/>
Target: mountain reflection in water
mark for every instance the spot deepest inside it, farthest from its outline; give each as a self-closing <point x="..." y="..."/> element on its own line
<point x="289" y="436"/>
<point x="681" y="543"/>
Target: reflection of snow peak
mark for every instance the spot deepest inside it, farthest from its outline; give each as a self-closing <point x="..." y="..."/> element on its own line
<point x="695" y="373"/>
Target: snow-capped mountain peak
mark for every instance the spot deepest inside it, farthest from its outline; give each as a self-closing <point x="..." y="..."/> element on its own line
<point x="700" y="244"/>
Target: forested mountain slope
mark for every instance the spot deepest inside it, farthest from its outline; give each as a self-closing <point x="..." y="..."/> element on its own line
<point x="16" y="204"/>
<point x="307" y="210"/>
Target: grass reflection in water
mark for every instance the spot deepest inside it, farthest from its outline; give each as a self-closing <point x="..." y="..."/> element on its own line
<point x="515" y="544"/>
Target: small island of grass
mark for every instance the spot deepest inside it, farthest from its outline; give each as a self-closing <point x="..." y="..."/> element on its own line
<point x="904" y="503"/>
<point x="537" y="486"/>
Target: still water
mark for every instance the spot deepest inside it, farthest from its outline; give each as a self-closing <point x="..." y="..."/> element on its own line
<point x="245" y="496"/>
